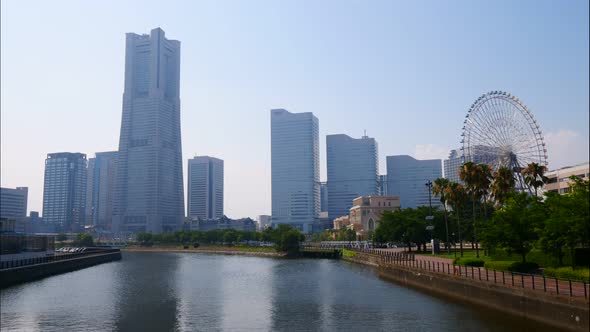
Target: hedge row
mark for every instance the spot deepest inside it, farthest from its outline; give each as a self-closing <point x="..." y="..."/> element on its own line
<point x="468" y="261"/>
<point x="511" y="266"/>
<point x="581" y="274"/>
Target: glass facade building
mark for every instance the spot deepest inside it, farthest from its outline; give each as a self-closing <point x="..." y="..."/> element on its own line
<point x="64" y="190"/>
<point x="205" y="188"/>
<point x="100" y="189"/>
<point x="353" y="171"/>
<point x="295" y="169"/>
<point x="407" y="178"/>
<point x="149" y="194"/>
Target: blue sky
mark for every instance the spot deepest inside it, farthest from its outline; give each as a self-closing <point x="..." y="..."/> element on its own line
<point x="405" y="71"/>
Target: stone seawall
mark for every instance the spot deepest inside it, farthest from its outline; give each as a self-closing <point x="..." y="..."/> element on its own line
<point x="559" y="311"/>
<point x="12" y="276"/>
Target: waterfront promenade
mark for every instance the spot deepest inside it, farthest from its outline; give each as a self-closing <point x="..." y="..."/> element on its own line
<point x="441" y="265"/>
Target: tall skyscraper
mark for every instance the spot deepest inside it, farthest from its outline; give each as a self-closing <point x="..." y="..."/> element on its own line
<point x="100" y="186"/>
<point x="407" y="178"/>
<point x="382" y="185"/>
<point x="295" y="169"/>
<point x="353" y="171"/>
<point x="13" y="206"/>
<point x="205" y="187"/>
<point x="64" y="190"/>
<point x="323" y="197"/>
<point x="149" y="193"/>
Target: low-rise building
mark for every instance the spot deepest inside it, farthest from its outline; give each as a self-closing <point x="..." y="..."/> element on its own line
<point x="559" y="179"/>
<point x="264" y="221"/>
<point x="204" y="225"/>
<point x="366" y="212"/>
<point x="341" y="222"/>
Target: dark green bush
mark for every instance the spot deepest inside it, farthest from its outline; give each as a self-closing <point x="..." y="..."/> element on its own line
<point x="468" y="261"/>
<point x="523" y="267"/>
<point x="196" y="245"/>
<point x="581" y="274"/>
<point x="498" y="265"/>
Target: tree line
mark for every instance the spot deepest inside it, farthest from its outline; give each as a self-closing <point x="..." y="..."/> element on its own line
<point x="284" y="237"/>
<point x="487" y="209"/>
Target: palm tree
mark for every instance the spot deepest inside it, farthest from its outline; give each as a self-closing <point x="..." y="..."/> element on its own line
<point x="438" y="189"/>
<point x="484" y="180"/>
<point x="534" y="175"/>
<point x="470" y="174"/>
<point x="502" y="185"/>
<point x="456" y="196"/>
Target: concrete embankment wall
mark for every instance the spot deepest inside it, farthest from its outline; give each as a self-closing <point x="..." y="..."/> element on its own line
<point x="559" y="311"/>
<point x="21" y="274"/>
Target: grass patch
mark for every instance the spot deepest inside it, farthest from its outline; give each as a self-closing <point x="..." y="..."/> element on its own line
<point x="580" y="274"/>
<point x="348" y="253"/>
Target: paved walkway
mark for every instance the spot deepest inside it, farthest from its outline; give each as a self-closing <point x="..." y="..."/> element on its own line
<point x="506" y="278"/>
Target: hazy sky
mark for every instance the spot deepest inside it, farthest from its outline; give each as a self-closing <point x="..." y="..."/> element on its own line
<point x="405" y="71"/>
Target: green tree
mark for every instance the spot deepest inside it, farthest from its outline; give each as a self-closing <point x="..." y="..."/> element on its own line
<point x="439" y="189"/>
<point x="230" y="236"/>
<point x="457" y="198"/>
<point x="502" y="185"/>
<point x="568" y="221"/>
<point x="61" y="237"/>
<point x="84" y="240"/>
<point x="534" y="176"/>
<point x="514" y="227"/>
<point x="477" y="179"/>
<point x="289" y="242"/>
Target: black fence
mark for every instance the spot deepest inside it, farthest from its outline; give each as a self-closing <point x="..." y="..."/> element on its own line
<point x="507" y="278"/>
<point x="53" y="258"/>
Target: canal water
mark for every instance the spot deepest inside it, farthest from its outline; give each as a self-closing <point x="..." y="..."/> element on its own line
<point x="205" y="292"/>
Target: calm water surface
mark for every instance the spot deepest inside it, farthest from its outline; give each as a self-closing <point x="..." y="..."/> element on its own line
<point x="202" y="292"/>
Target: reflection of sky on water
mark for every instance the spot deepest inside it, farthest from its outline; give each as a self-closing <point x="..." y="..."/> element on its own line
<point x="202" y="292"/>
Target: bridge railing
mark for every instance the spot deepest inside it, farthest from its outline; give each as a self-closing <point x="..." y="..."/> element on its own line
<point x="49" y="259"/>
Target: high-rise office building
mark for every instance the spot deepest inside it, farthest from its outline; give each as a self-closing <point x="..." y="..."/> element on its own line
<point x="295" y="169"/>
<point x="382" y="185"/>
<point x="407" y="178"/>
<point x="13" y="206"/>
<point x="64" y="190"/>
<point x="323" y="197"/>
<point x="452" y="166"/>
<point x="149" y="193"/>
<point x="352" y="171"/>
<point x="205" y="187"/>
<point x="100" y="187"/>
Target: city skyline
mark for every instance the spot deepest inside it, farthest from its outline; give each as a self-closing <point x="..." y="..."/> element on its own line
<point x="332" y="81"/>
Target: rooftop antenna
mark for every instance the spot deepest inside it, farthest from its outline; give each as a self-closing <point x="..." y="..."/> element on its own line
<point x="365" y="133"/>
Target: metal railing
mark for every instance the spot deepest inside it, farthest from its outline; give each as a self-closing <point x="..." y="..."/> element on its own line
<point x="506" y="278"/>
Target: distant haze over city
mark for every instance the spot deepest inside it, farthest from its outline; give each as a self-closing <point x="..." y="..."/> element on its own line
<point x="401" y="71"/>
